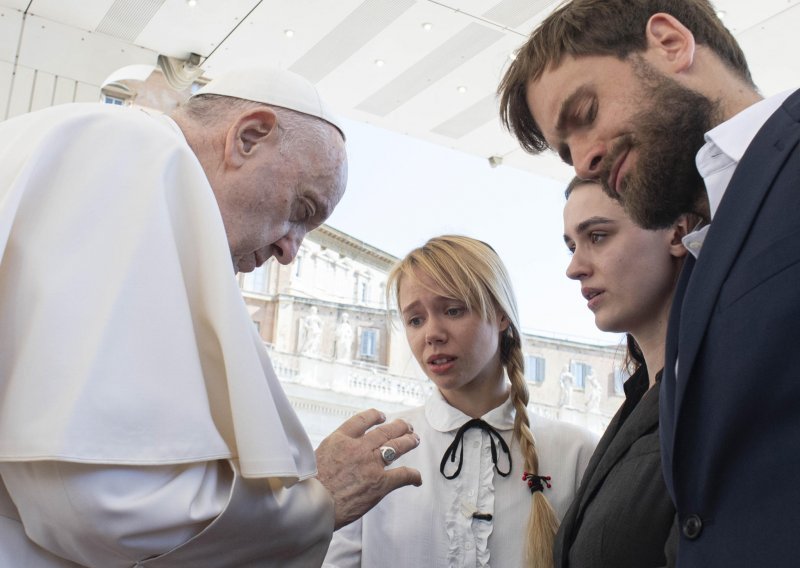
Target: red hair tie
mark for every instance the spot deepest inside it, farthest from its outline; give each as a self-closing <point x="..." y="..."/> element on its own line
<point x="536" y="482"/>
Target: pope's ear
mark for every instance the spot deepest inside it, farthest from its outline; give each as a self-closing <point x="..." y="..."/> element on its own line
<point x="251" y="131"/>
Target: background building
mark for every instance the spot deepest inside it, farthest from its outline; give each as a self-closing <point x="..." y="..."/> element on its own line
<point x="337" y="348"/>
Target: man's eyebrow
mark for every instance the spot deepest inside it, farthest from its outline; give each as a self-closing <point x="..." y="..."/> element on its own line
<point x="569" y="103"/>
<point x="592" y="222"/>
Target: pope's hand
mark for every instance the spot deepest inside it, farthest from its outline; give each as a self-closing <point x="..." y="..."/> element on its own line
<point x="351" y="467"/>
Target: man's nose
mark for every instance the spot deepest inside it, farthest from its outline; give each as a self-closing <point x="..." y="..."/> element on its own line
<point x="587" y="157"/>
<point x="285" y="248"/>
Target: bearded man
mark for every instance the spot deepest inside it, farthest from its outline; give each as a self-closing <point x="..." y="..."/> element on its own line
<point x="654" y="99"/>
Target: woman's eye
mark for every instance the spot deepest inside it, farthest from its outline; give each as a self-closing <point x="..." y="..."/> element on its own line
<point x="414" y="322"/>
<point x="454" y="311"/>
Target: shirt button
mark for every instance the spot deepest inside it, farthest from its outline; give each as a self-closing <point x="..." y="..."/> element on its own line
<point x="471" y="492"/>
<point x="468" y="546"/>
<point x="694" y="245"/>
<point x="692" y="527"/>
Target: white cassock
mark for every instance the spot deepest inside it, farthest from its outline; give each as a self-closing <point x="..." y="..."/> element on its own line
<point x="141" y="423"/>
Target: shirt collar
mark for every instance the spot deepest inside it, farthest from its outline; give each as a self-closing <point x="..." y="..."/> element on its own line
<point x="445" y="418"/>
<point x="727" y="142"/>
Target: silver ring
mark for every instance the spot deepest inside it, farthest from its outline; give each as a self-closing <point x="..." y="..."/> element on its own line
<point x="388" y="454"/>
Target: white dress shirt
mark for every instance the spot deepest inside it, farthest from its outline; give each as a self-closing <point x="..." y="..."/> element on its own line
<point x="720" y="155"/>
<point x="432" y="526"/>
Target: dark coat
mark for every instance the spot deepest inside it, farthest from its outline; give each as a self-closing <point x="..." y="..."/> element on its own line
<point x="730" y="420"/>
<point x="622" y="515"/>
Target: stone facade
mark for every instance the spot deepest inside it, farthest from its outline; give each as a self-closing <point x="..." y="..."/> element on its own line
<point x="330" y="373"/>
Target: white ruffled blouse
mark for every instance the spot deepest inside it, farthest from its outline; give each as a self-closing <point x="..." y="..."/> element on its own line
<point x="433" y="525"/>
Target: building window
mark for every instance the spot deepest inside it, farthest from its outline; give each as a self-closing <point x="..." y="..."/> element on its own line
<point x="534" y="369"/>
<point x="620" y="376"/>
<point x="368" y="343"/>
<point x="257" y="280"/>
<point x="109" y="100"/>
<point x="298" y="266"/>
<point x="363" y="291"/>
<point x="579" y="372"/>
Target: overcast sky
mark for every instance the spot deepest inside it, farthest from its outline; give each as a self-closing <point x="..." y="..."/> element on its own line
<point x="402" y="191"/>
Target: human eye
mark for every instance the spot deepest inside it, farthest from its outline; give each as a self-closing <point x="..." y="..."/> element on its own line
<point x="586" y="112"/>
<point x="597" y="236"/>
<point x="414" y="321"/>
<point x="571" y="248"/>
<point x="455" y="311"/>
<point x="304" y="210"/>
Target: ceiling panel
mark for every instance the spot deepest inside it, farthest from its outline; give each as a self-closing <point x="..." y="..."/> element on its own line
<point x="339" y="44"/>
<point x="456" y="51"/>
<point x="10" y="26"/>
<point x="178" y="29"/>
<point x="349" y="36"/>
<point x="67" y="51"/>
<point x="261" y="38"/>
<point x="87" y="18"/>
<point x="771" y="50"/>
<point x="15" y="4"/>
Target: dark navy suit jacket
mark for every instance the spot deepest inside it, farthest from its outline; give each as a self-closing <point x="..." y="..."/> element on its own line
<point x="730" y="420"/>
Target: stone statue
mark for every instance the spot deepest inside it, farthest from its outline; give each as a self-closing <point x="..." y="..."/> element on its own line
<point x="344" y="339"/>
<point x="566" y="381"/>
<point x="593" y="393"/>
<point x="312" y="333"/>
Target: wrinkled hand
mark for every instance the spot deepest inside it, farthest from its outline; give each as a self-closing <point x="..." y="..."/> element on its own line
<point x="352" y="470"/>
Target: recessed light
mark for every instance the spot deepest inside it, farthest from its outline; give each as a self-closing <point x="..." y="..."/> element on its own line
<point x="512" y="55"/>
<point x="721" y="14"/>
<point x="288" y="33"/>
<point x="461" y="89"/>
<point x="379" y="63"/>
<point x="191" y="3"/>
<point x="427" y="26"/>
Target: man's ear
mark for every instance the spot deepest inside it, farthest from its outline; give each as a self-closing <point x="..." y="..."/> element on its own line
<point x="685" y="224"/>
<point x="251" y="131"/>
<point x="670" y="44"/>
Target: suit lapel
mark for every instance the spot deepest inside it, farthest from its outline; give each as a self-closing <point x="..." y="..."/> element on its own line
<point x="747" y="189"/>
<point x="642" y="420"/>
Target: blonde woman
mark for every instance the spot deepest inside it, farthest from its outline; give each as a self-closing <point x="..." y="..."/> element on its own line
<point x="496" y="480"/>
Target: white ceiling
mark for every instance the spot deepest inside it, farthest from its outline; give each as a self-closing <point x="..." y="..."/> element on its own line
<point x="436" y="84"/>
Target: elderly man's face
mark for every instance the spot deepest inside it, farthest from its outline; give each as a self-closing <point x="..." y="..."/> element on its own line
<point x="270" y="204"/>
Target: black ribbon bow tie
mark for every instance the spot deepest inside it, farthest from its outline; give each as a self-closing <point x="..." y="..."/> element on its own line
<point x="450" y="452"/>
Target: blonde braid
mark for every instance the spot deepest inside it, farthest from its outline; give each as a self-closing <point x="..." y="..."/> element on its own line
<point x="542" y="522"/>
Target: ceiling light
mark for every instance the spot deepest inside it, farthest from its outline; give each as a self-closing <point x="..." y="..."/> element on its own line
<point x="191" y="3"/>
<point x="427" y="26"/>
<point x="512" y="56"/>
<point x="379" y="63"/>
<point x="462" y="89"/>
<point x="721" y="14"/>
<point x="288" y="33"/>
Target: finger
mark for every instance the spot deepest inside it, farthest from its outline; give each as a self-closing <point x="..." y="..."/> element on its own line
<point x="404" y="444"/>
<point x="402" y="476"/>
<point x="355" y="426"/>
<point x="386" y="432"/>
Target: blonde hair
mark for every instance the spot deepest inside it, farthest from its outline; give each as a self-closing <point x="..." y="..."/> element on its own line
<point x="471" y="271"/>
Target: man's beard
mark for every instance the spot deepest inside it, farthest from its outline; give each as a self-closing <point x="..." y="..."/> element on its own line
<point x="664" y="182"/>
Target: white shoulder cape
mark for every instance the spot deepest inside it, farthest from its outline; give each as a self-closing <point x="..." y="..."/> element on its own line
<point x="124" y="338"/>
